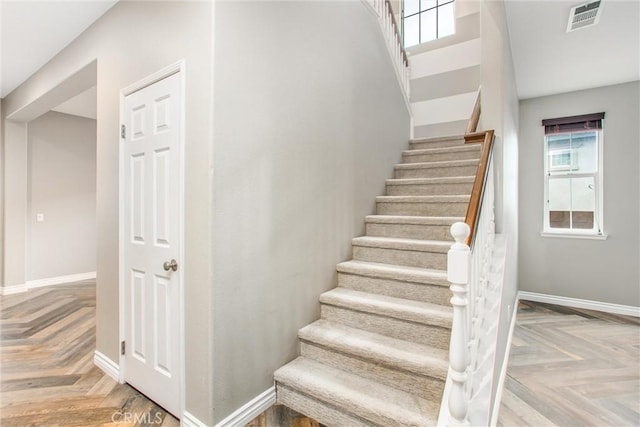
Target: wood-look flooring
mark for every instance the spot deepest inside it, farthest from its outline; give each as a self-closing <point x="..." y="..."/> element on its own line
<point x="571" y="367"/>
<point x="47" y="342"/>
<point x="567" y="367"/>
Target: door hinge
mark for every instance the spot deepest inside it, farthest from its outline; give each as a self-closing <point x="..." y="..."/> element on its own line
<point x="122" y="348"/>
<point x="123" y="131"/>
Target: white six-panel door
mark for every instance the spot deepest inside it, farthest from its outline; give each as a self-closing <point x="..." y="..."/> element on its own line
<point x="152" y="195"/>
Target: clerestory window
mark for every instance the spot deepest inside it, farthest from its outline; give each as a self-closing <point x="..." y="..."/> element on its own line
<point x="426" y="20"/>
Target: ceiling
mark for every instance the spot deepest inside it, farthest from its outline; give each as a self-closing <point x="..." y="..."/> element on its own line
<point x="548" y="60"/>
<point x="33" y="32"/>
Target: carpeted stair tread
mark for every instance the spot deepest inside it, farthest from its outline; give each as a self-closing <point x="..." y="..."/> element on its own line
<point x="415" y="220"/>
<point x="402" y="244"/>
<point x="394" y="272"/>
<point x="397" y="308"/>
<point x="438" y="150"/>
<point x="442" y="164"/>
<point x="432" y="181"/>
<point x="375" y="403"/>
<point x="455" y="198"/>
<point x="379" y="349"/>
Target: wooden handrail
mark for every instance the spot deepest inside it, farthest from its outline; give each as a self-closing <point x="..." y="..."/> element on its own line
<point x="395" y="25"/>
<point x="475" y="116"/>
<point x="475" y="203"/>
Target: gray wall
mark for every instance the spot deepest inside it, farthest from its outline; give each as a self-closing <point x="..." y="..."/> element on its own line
<point x="62" y="186"/>
<point x="309" y="121"/>
<point x="129" y="42"/>
<point x="500" y="112"/>
<point x="1" y="197"/>
<point x="605" y="271"/>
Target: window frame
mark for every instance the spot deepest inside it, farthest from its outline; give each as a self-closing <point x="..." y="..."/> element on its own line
<point x="597" y="232"/>
<point x="419" y="14"/>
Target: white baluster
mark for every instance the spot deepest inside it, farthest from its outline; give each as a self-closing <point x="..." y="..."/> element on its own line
<point x="458" y="275"/>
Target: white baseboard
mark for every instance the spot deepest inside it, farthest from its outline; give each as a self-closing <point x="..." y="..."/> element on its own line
<point x="13" y="289"/>
<point x="31" y="284"/>
<point x="107" y="365"/>
<point x="188" y="420"/>
<point x="251" y="409"/>
<point x="503" y="371"/>
<point x="627" y="310"/>
<point x="50" y="281"/>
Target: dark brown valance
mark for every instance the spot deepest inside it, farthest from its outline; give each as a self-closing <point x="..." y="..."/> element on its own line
<point x="573" y="123"/>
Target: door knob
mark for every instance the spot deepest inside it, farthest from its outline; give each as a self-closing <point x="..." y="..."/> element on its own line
<point x="170" y="265"/>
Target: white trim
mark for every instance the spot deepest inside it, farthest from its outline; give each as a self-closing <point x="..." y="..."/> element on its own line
<point x="107" y="365"/>
<point x="60" y="280"/>
<point x="565" y="235"/>
<point x="251" y="409"/>
<point x="50" y="281"/>
<point x="626" y="310"/>
<point x="597" y="233"/>
<point x="503" y="371"/>
<point x="13" y="289"/>
<point x="188" y="420"/>
<point x="178" y="67"/>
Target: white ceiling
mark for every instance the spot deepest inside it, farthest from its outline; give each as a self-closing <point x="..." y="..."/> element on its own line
<point x="33" y="32"/>
<point x="548" y="60"/>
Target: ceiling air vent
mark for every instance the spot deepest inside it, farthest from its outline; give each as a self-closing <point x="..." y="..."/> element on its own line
<point x="584" y="15"/>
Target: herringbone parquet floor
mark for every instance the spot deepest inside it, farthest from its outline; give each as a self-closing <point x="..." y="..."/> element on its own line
<point x="47" y="373"/>
<point x="567" y="367"/>
<point x="571" y="367"/>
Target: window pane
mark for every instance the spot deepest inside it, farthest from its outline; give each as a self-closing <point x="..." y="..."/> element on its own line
<point x="427" y="4"/>
<point x="585" y="153"/>
<point x="411" y="7"/>
<point x="576" y="152"/>
<point x="428" y="22"/>
<point x="560" y="203"/>
<point x="441" y="2"/>
<point x="559" y="152"/>
<point x="411" y="31"/>
<point x="583" y="202"/>
<point x="446" y="20"/>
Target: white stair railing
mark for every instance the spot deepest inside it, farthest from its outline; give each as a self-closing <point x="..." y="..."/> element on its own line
<point x="382" y="9"/>
<point x="476" y="285"/>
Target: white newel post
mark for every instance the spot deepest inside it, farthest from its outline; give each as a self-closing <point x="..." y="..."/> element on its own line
<point x="458" y="276"/>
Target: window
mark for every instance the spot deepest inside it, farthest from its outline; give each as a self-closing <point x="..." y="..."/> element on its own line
<point x="426" y="20"/>
<point x="573" y="175"/>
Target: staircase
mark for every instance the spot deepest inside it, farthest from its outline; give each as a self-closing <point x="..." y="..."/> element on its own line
<point x="379" y="353"/>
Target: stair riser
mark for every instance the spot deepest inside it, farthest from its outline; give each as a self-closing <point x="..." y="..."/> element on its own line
<point x="422" y="209"/>
<point x="429" y="189"/>
<point x="436" y="144"/>
<point x="435" y="260"/>
<point x="441" y="157"/>
<point x="422" y="292"/>
<point x="434" y="336"/>
<point x="316" y="409"/>
<point x="448" y="171"/>
<point x="420" y="385"/>
<point x="410" y="231"/>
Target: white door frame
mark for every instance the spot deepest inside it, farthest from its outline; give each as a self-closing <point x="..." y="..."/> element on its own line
<point x="175" y="68"/>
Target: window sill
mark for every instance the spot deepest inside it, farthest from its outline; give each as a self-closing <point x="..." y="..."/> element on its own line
<point x="574" y="235"/>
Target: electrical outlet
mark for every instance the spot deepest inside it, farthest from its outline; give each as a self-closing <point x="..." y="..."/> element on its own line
<point x="40" y="217"/>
